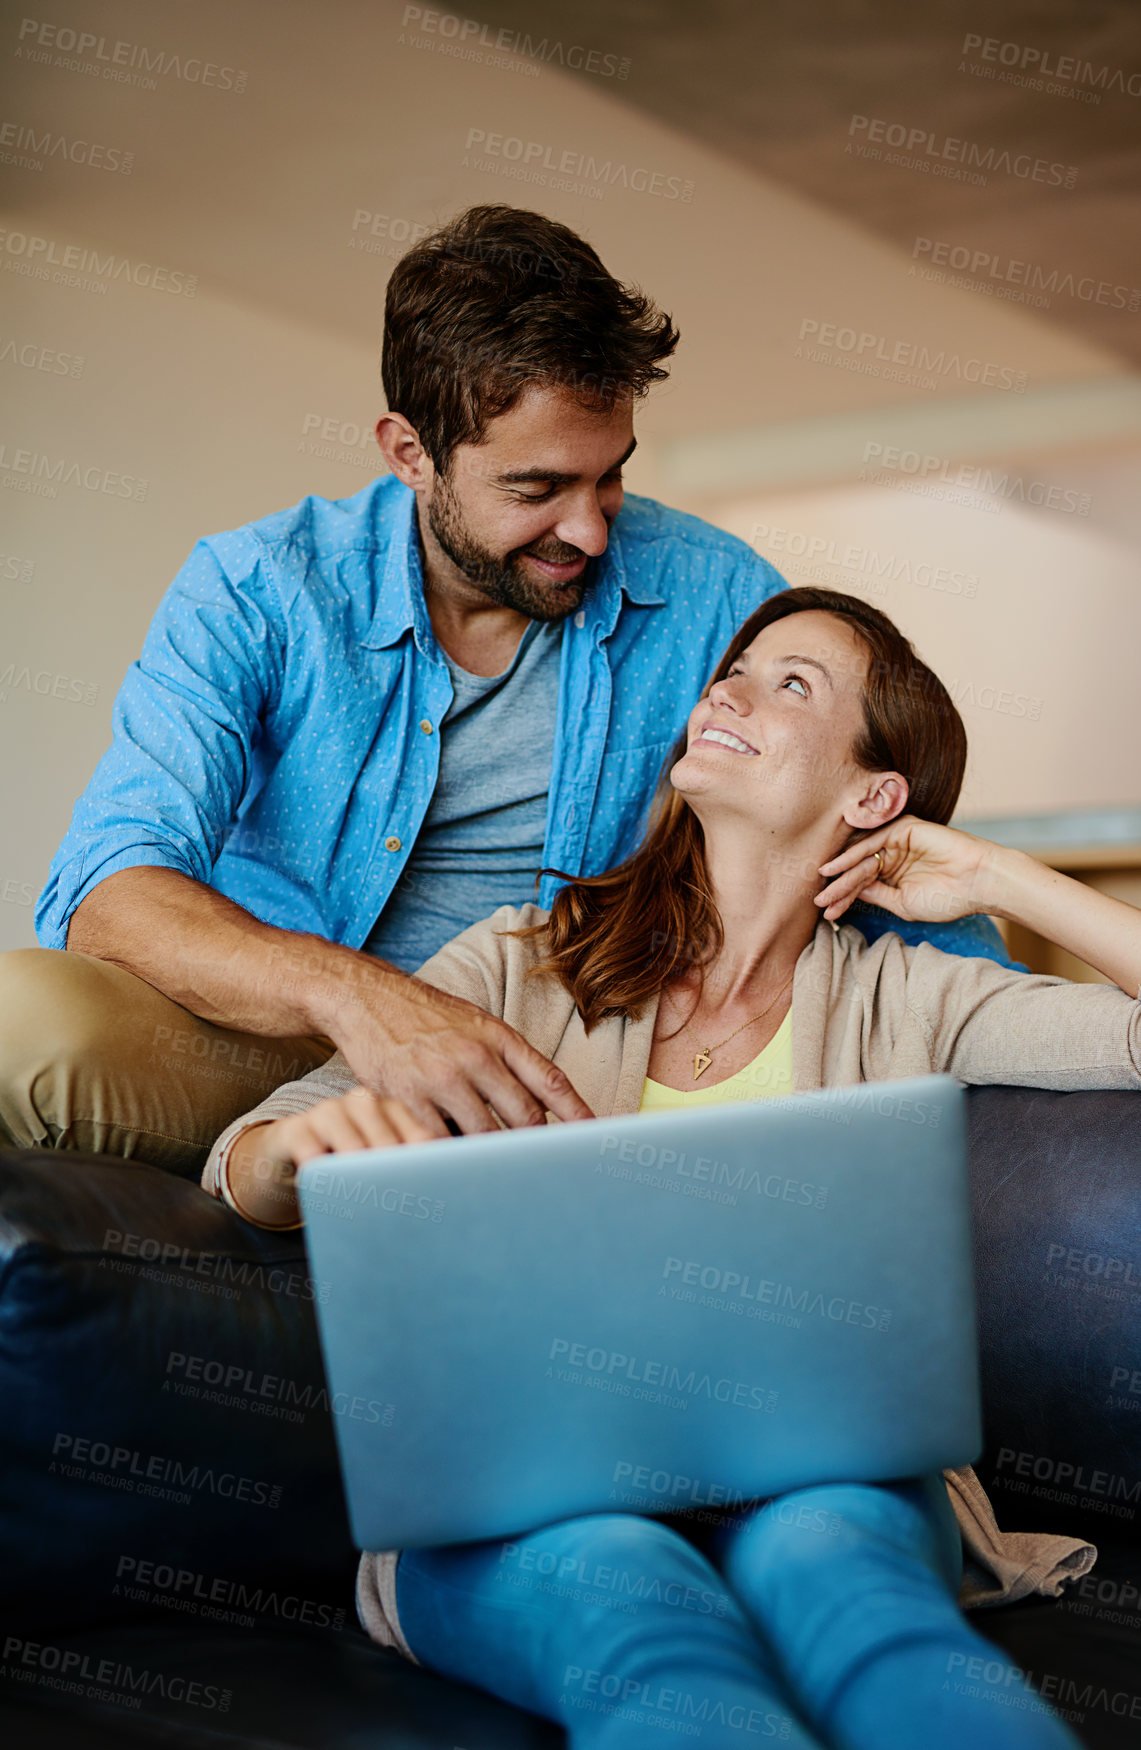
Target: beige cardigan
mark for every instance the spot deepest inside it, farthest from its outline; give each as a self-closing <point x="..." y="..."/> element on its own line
<point x="860" y="1012"/>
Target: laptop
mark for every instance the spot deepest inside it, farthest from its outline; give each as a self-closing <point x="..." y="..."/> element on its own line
<point x="678" y="1312"/>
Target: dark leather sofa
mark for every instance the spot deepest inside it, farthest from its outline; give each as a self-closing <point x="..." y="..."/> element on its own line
<point x="175" y="1564"/>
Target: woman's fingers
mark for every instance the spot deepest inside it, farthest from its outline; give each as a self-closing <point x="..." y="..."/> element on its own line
<point x="382" y="1122"/>
<point x="356" y="1120"/>
<point x="877" y="841"/>
<point x="877" y="893"/>
<point x="328" y="1129"/>
<point x="404" y="1123"/>
<point x="859" y="881"/>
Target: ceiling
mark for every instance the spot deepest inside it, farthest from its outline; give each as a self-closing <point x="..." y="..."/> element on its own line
<point x="775" y="84"/>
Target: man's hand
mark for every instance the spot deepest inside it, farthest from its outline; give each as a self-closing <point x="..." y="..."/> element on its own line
<point x="444" y="1058"/>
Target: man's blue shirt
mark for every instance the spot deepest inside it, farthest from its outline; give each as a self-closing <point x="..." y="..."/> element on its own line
<point x="278" y="739"/>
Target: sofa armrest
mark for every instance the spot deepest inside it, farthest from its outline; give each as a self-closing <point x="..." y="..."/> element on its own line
<point x="166" y="1421"/>
<point x="1056" y="1194"/>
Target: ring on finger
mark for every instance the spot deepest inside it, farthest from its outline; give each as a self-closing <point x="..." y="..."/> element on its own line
<point x="878" y="855"/>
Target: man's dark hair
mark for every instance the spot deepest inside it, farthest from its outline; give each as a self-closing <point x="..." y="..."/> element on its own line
<point x="499" y="299"/>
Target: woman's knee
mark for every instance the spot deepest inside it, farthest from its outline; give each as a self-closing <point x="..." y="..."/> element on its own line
<point x="815" y="1528"/>
<point x="618" y="1553"/>
<point x="596" y="1591"/>
<point x="600" y="1568"/>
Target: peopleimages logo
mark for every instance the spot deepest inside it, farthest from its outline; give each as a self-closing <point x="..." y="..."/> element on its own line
<point x="637" y="1699"/>
<point x="534" y="160"/>
<point x="965" y="160"/>
<point x="864" y="561"/>
<point x="109" y="1680"/>
<point x="235" y="1385"/>
<point x="613" y="1365"/>
<point x="24" y="139"/>
<point x="1040" y="283"/>
<point x="16" y="678"/>
<point x="1074" y="1477"/>
<point x="888" y="460"/>
<point x="384" y="233"/>
<point x="86" y="269"/>
<point x="34" y="357"/>
<point x="470" y="34"/>
<point x="183" y="1589"/>
<point x="737" y="1286"/>
<point x="124" y="63"/>
<point x="866" y="352"/>
<point x="83" y="1459"/>
<point x="30" y="470"/>
<point x="243" y="1272"/>
<point x="1043" y="64"/>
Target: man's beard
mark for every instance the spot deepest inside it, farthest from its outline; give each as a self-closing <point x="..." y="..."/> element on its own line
<point x="504" y="578"/>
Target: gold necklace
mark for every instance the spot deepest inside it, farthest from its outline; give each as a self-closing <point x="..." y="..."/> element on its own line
<point x="703" y="1057"/>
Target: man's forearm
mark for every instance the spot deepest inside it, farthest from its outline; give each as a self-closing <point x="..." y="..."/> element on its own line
<point x="444" y="1059"/>
<point x="217" y="960"/>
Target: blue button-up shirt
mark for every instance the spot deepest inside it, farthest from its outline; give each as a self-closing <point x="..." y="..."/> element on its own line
<point x="269" y="740"/>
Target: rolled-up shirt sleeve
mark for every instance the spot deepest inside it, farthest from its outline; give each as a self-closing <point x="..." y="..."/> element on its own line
<point x="184" y="725"/>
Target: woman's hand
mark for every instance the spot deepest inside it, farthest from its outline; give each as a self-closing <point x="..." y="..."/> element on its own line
<point x="925" y="873"/>
<point x="932" y="874"/>
<point x="265" y="1158"/>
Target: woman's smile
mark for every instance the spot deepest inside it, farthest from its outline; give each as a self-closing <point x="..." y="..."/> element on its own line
<point x="726" y="738"/>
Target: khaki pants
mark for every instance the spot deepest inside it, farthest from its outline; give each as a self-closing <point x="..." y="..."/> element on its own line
<point x="93" y="1058"/>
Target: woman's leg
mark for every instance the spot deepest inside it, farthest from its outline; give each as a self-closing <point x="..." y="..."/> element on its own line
<point x="611" y="1625"/>
<point x="855" y="1589"/>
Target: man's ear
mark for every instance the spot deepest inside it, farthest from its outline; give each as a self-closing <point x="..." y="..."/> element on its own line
<point x="402" y="450"/>
<point x="884" y="798"/>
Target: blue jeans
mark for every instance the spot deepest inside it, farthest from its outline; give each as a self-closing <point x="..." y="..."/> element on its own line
<point x="824" y="1617"/>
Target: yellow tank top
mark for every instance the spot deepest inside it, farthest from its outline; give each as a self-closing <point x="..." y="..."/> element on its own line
<point x="769" y="1074"/>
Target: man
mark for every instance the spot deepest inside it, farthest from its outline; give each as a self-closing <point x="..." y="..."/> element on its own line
<point x="359" y="725"/>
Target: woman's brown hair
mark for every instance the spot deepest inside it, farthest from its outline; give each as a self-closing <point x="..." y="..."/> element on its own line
<point x="614" y="940"/>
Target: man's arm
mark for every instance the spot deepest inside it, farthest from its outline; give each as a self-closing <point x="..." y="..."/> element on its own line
<point x="442" y="1056"/>
<point x="183" y="730"/>
<point x="129" y="884"/>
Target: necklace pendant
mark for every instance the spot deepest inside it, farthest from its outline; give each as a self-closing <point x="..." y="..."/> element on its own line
<point x="701" y="1062"/>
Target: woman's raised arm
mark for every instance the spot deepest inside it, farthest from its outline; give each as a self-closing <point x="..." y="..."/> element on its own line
<point x="929" y="873"/>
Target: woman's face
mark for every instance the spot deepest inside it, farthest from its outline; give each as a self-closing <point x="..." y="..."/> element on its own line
<point x="773" y="740"/>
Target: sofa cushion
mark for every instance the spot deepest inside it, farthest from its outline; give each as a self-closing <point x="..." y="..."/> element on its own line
<point x="1056" y="1195"/>
<point x="189" y="1683"/>
<point x="166" y="1425"/>
<point x="168" y="1435"/>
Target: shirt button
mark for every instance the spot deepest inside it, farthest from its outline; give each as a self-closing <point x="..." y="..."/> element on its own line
<point x="392" y="844"/>
<point x="425" y="726"/>
<point x="580" y="618"/>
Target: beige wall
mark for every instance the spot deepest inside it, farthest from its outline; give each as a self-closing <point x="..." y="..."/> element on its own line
<point x="212" y="399"/>
<point x="1031" y="616"/>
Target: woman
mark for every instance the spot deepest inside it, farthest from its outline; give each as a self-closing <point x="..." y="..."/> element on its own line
<point x="819" y="767"/>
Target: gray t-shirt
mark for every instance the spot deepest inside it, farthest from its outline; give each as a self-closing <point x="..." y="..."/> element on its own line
<point x="481" y="844"/>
